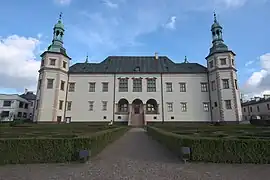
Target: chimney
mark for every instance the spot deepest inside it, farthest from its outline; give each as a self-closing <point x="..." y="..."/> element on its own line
<point x="156" y="55"/>
<point x="25" y="91"/>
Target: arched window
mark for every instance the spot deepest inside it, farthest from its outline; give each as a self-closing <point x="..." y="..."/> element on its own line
<point x="151" y="106"/>
<point x="122" y="105"/>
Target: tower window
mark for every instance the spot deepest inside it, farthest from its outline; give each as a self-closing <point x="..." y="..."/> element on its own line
<point x="50" y="83"/>
<point x="52" y="62"/>
<point x="268" y="106"/>
<point x="235" y="82"/>
<point x="42" y="62"/>
<point x="228" y="104"/>
<point x="61" y="104"/>
<point x="233" y="62"/>
<point x="211" y="64"/>
<point x="213" y="84"/>
<point x="71" y="87"/>
<point x="223" y="61"/>
<point x="258" y="108"/>
<point x="250" y="109"/>
<point x="64" y="64"/>
<point x="62" y="85"/>
<point x="225" y="83"/>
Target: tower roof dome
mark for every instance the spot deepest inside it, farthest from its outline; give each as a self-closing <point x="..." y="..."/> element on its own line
<point x="216" y="23"/>
<point x="59" y="24"/>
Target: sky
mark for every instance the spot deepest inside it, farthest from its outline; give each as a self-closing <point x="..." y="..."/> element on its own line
<point x="100" y="28"/>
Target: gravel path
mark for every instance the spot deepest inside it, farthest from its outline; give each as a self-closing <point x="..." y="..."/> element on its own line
<point x="135" y="156"/>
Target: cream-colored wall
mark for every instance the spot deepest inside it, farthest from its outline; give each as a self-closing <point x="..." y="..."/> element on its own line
<point x="193" y="97"/>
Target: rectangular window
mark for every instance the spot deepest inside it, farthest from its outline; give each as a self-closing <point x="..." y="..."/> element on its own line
<point x="71" y="87"/>
<point x="52" y="62"/>
<point x="236" y="85"/>
<point x="151" y="85"/>
<point x="21" y="104"/>
<point x="37" y="104"/>
<point x="213" y="84"/>
<point x="250" y="109"/>
<point x="123" y="85"/>
<point x="105" y="87"/>
<point x="258" y="108"/>
<point x="91" y="105"/>
<point x="42" y="62"/>
<point x="104" y="105"/>
<point x="228" y="104"/>
<point x="211" y="64"/>
<point x="69" y="104"/>
<point x="233" y="62"/>
<point x="50" y="83"/>
<point x="61" y="104"/>
<point x="24" y="115"/>
<point x="64" y="64"/>
<point x="62" y="86"/>
<point x="223" y="61"/>
<point x="5" y="114"/>
<point x="268" y="106"/>
<point x="32" y="103"/>
<point x="7" y="103"/>
<point x="244" y="109"/>
<point x="183" y="87"/>
<point x="25" y="106"/>
<point x="206" y="106"/>
<point x="225" y="83"/>
<point x="183" y="106"/>
<point x="170" y="107"/>
<point x="137" y="85"/>
<point x="204" y="87"/>
<point x="168" y="87"/>
<point x="19" y="114"/>
<point x="92" y="87"/>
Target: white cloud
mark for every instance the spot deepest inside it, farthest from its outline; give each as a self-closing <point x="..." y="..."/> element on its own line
<point x="110" y="4"/>
<point x="18" y="68"/>
<point x="231" y="3"/>
<point x="63" y="2"/>
<point x="259" y="82"/>
<point x="171" y="23"/>
<point x="249" y="63"/>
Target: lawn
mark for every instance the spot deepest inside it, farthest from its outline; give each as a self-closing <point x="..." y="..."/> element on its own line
<point x="239" y="131"/>
<point x="51" y="130"/>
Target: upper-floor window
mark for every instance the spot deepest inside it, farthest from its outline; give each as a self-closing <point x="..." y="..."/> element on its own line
<point x="168" y="87"/>
<point x="39" y="83"/>
<point x="228" y="104"/>
<point x="258" y="108"/>
<point x="62" y="86"/>
<point x="236" y="85"/>
<point x="71" y="87"/>
<point x="42" y="62"/>
<point x="151" y="85"/>
<point x="91" y="105"/>
<point x="170" y="107"/>
<point x="268" y="106"/>
<point x="137" y="85"/>
<point x="204" y="87"/>
<point x="123" y="85"/>
<point x="233" y="62"/>
<point x="61" y="104"/>
<point x="206" y="106"/>
<point x="7" y="103"/>
<point x="137" y="69"/>
<point x="105" y="87"/>
<point x="183" y="106"/>
<point x="64" y="64"/>
<point x="52" y="62"/>
<point x="25" y="106"/>
<point x="69" y="104"/>
<point x="21" y="104"/>
<point x="244" y="109"/>
<point x="225" y="83"/>
<point x="92" y="87"/>
<point x="104" y="105"/>
<point x="211" y="64"/>
<point x="250" y="109"/>
<point x="182" y="87"/>
<point x="222" y="61"/>
<point x="213" y="84"/>
<point x="50" y="83"/>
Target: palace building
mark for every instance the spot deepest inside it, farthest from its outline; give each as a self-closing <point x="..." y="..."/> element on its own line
<point x="137" y="89"/>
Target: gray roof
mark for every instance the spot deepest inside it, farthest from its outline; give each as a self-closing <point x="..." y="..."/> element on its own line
<point x="137" y="64"/>
<point x="253" y="102"/>
<point x="28" y="96"/>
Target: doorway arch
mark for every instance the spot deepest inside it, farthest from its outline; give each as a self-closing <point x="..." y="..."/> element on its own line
<point x="137" y="106"/>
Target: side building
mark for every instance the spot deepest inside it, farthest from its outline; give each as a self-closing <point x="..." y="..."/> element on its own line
<point x="137" y="89"/>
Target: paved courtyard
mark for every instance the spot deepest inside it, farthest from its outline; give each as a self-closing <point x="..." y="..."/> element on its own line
<point x="135" y="156"/>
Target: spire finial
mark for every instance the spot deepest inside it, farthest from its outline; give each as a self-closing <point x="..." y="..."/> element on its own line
<point x="86" y="60"/>
<point x="215" y="17"/>
<point x="60" y="16"/>
<point x="185" y="61"/>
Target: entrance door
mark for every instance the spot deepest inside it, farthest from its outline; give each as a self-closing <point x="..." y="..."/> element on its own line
<point x="137" y="109"/>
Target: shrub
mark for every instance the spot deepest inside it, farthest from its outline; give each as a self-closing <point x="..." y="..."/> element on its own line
<point x="47" y="150"/>
<point x="218" y="150"/>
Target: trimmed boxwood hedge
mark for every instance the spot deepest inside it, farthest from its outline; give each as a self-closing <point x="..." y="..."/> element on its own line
<point x="50" y="150"/>
<point x="217" y="150"/>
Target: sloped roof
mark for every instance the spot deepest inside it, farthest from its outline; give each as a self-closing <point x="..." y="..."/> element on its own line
<point x="137" y="64"/>
<point x="253" y="102"/>
<point x="28" y="96"/>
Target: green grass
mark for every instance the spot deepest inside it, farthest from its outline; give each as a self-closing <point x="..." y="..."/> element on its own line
<point x="51" y="130"/>
<point x="241" y="131"/>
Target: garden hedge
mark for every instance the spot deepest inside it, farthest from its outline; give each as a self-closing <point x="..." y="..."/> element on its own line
<point x="217" y="150"/>
<point x="50" y="150"/>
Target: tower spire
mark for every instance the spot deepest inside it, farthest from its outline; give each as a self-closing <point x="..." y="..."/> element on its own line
<point x="185" y="60"/>
<point x="215" y="17"/>
<point x="86" y="59"/>
<point x="60" y="16"/>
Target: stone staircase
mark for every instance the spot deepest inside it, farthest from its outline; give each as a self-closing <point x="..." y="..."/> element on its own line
<point x="136" y="120"/>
